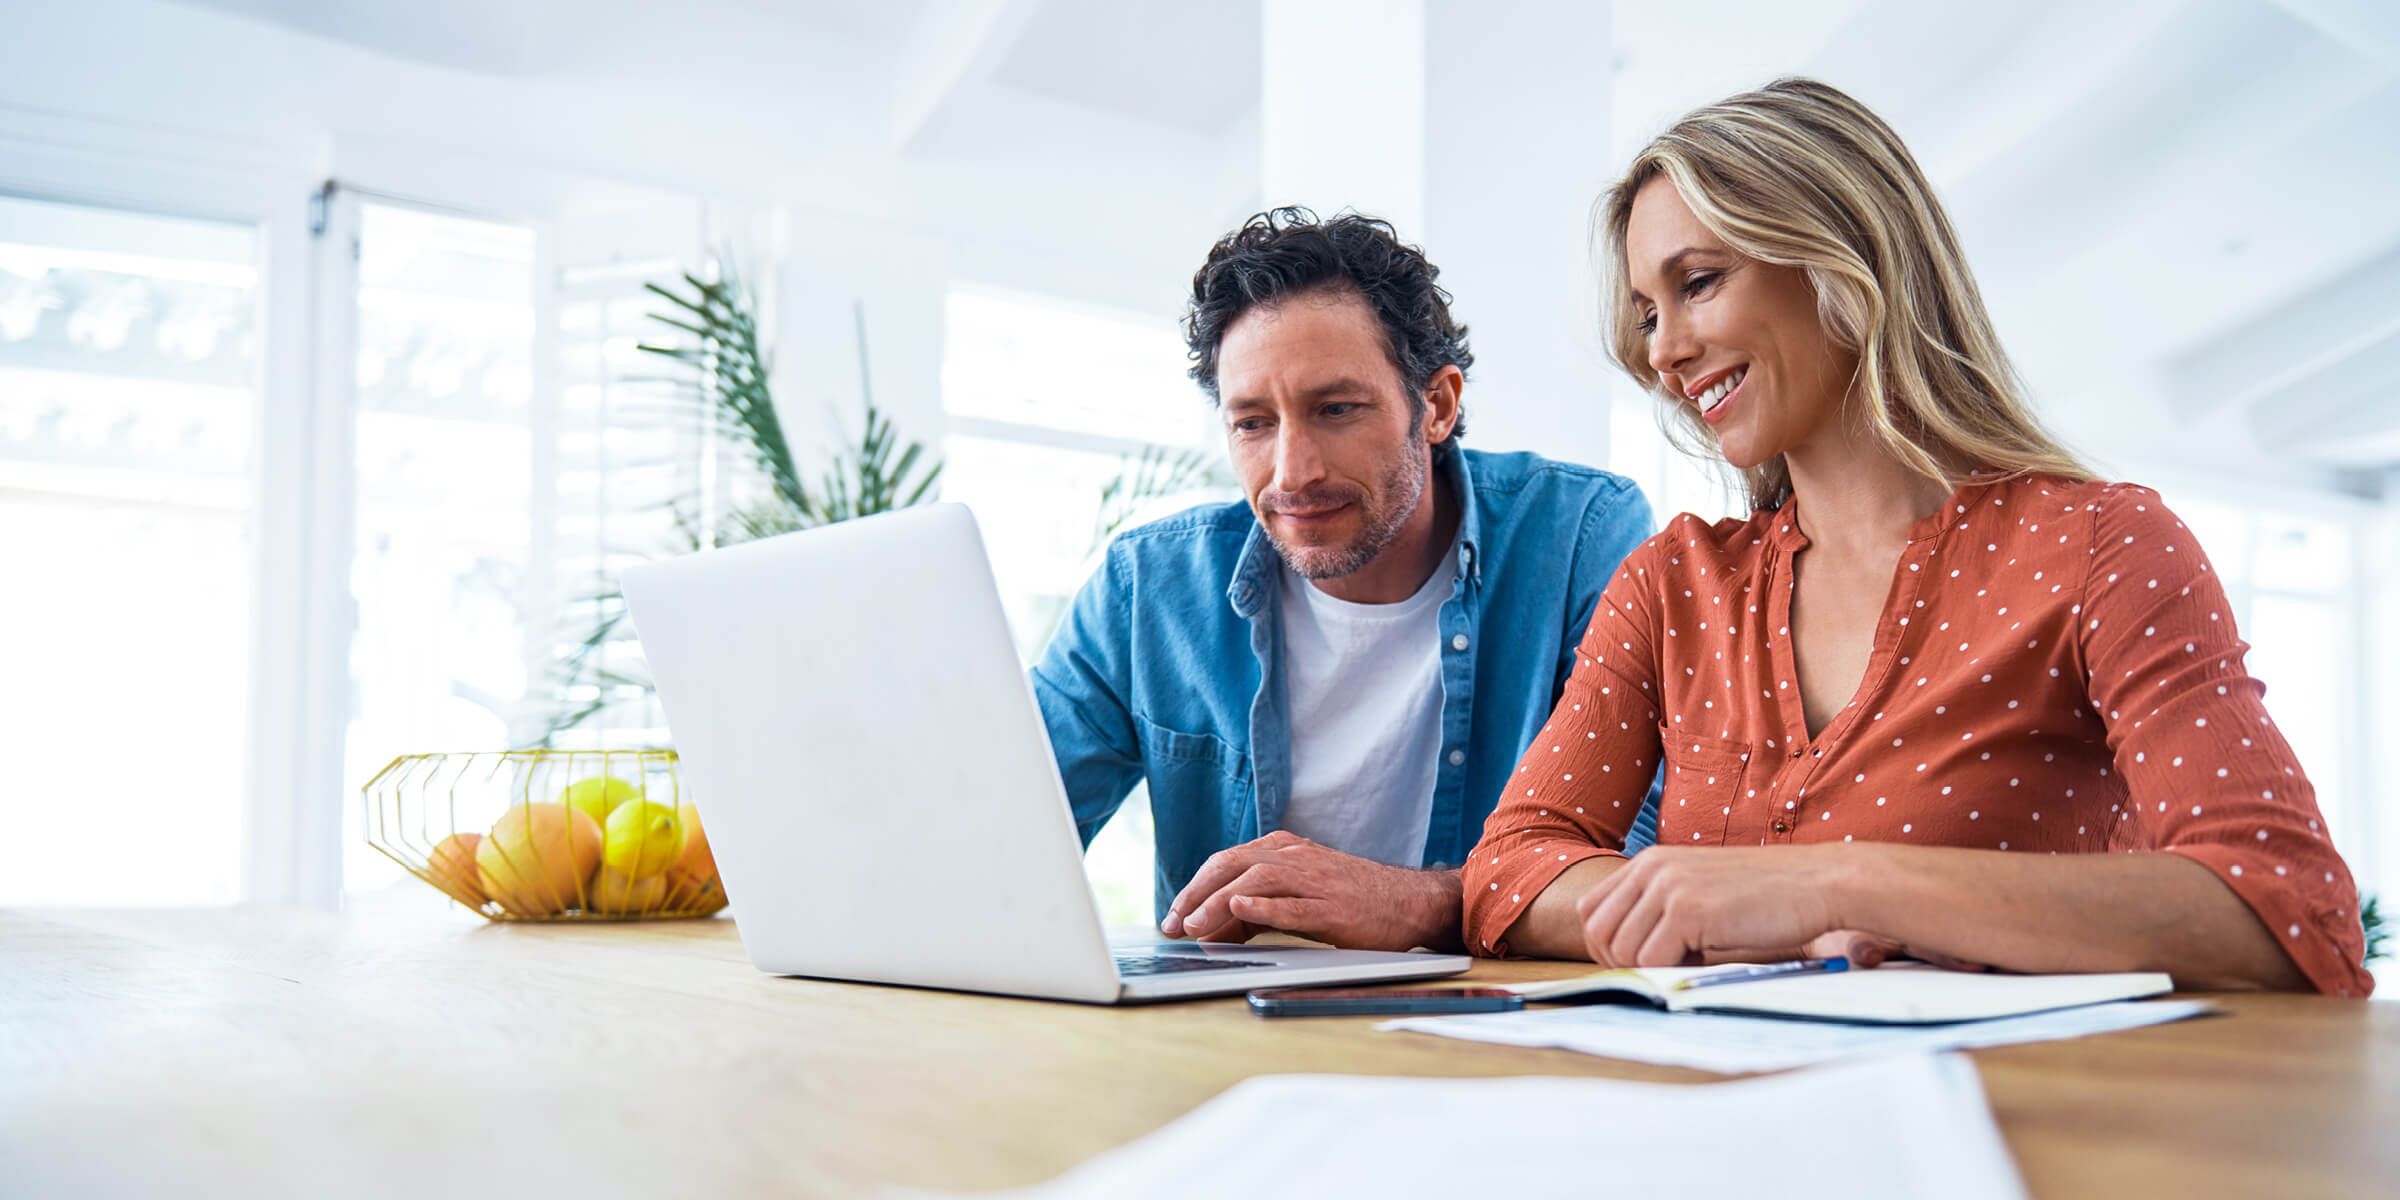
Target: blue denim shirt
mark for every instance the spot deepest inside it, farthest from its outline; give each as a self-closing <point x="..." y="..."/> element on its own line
<point x="1168" y="665"/>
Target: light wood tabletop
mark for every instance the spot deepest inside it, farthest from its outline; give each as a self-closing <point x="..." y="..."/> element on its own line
<point x="409" y="1050"/>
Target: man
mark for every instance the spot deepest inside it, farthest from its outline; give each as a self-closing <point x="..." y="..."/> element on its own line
<point x="1327" y="687"/>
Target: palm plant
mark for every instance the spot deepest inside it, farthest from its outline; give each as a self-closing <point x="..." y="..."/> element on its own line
<point x="718" y="376"/>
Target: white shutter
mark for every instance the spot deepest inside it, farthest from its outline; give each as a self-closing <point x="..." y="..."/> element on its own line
<point x="619" y="451"/>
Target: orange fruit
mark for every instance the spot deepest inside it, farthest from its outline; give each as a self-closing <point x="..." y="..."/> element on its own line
<point x="692" y="878"/>
<point x="539" y="858"/>
<point x="613" y="891"/>
<point x="453" y="868"/>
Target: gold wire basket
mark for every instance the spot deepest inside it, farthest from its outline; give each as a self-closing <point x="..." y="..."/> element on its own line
<point x="547" y="835"/>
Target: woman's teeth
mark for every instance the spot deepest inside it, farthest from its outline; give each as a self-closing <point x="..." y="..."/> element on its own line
<point x="1714" y="396"/>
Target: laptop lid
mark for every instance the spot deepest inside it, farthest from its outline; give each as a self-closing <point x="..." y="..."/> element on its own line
<point x="877" y="781"/>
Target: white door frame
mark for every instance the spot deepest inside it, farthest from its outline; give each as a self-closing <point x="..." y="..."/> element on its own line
<point x="263" y="185"/>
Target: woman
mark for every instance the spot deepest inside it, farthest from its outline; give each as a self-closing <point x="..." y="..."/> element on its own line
<point x="1943" y="691"/>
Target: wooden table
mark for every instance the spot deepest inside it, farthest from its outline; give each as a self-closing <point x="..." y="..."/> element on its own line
<point x="415" y="1051"/>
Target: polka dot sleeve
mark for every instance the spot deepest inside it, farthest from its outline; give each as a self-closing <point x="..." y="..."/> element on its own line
<point x="2207" y="774"/>
<point x="1584" y="777"/>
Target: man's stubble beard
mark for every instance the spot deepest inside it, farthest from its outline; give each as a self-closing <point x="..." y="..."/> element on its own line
<point x="1404" y="486"/>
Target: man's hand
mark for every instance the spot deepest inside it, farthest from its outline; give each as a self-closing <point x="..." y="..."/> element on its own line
<point x="1676" y="906"/>
<point x="1285" y="882"/>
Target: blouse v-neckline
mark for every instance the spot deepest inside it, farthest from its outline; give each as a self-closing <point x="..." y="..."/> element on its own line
<point x="1900" y="598"/>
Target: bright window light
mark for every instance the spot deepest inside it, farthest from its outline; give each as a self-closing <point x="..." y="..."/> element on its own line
<point x="128" y="397"/>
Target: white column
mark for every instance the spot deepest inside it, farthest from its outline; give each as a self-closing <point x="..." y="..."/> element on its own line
<point x="1483" y="137"/>
<point x="2374" y="850"/>
<point x="1342" y="107"/>
<point x="1517" y="149"/>
<point x="838" y="269"/>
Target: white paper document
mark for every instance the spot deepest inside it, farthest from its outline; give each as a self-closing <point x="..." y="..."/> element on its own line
<point x="1728" y="1044"/>
<point x="1906" y="1126"/>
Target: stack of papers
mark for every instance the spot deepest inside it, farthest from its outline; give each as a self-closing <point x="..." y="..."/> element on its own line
<point x="1735" y="1044"/>
<point x="1909" y="1126"/>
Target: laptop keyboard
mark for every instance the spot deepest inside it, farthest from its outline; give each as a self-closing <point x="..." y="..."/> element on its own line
<point x="1144" y="964"/>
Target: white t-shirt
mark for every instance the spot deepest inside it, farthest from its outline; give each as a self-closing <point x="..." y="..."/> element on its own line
<point x="1364" y="685"/>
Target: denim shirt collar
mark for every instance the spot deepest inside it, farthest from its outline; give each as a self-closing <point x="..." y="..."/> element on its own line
<point x="1257" y="577"/>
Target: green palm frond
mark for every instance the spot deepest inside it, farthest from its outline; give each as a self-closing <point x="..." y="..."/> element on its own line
<point x="723" y="366"/>
<point x="878" y="475"/>
<point x="715" y="377"/>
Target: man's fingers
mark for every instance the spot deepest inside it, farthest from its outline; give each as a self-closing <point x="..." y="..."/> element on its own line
<point x="1220" y="869"/>
<point x="1224" y="929"/>
<point x="1292" y="914"/>
<point x="1258" y="879"/>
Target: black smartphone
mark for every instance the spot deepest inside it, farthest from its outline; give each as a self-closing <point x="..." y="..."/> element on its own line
<point x="1378" y="1002"/>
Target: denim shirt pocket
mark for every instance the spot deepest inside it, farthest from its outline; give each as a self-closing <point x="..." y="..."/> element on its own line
<point x="1179" y="763"/>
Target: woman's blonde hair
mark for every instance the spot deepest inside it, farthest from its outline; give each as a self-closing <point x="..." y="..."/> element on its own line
<point x="1799" y="174"/>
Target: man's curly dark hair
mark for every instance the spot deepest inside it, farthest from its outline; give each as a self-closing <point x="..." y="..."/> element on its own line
<point x="1287" y="252"/>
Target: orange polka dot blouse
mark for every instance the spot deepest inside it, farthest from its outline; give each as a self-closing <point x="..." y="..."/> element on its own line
<point x="2055" y="670"/>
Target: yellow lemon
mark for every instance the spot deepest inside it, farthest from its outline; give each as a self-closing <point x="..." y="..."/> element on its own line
<point x="599" y="795"/>
<point x="644" y="838"/>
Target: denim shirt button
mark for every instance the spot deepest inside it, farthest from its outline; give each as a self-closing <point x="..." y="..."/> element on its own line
<point x="1458" y="758"/>
<point x="1458" y="642"/>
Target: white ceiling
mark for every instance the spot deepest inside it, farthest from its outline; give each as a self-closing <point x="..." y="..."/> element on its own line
<point x="2198" y="198"/>
<point x="555" y="38"/>
<point x="2192" y="202"/>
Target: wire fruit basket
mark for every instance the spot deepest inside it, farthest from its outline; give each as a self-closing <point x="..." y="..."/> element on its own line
<point x="547" y="835"/>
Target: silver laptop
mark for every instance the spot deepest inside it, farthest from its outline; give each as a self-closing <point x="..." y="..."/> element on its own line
<point x="879" y="788"/>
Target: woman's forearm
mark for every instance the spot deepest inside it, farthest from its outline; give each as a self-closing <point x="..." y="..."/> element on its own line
<point x="2063" y="913"/>
<point x="1551" y="928"/>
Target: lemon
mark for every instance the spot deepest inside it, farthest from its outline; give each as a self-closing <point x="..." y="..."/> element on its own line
<point x="599" y="795"/>
<point x="643" y="838"/>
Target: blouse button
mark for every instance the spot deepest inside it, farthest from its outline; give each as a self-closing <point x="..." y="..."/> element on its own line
<point x="1782" y="826"/>
<point x="1795" y="752"/>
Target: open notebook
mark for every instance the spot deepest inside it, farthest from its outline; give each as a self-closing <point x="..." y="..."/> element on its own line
<point x="1898" y="994"/>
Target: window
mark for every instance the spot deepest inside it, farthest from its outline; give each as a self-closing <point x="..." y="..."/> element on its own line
<point x="624" y="458"/>
<point x="129" y="395"/>
<point x="2290" y="580"/>
<point x="1048" y="403"/>
<point x="443" y="460"/>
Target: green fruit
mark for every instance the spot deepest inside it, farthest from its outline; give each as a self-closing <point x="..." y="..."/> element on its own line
<point x="599" y="796"/>
<point x="643" y="838"/>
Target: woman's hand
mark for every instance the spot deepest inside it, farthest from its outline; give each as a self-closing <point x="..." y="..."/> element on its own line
<point x="1675" y="906"/>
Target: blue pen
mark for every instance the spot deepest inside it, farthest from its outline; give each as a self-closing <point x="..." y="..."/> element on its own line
<point x="1805" y="966"/>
